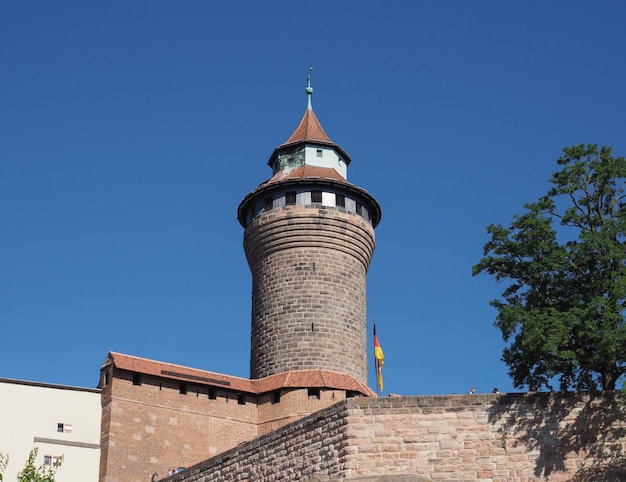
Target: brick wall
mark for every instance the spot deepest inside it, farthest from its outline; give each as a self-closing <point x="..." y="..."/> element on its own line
<point x="514" y="437"/>
<point x="294" y="404"/>
<point x="151" y="427"/>
<point x="309" y="267"/>
<point x="148" y="426"/>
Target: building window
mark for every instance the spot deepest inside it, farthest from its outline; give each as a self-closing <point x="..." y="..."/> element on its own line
<point x="241" y="399"/>
<point x="314" y="393"/>
<point x="276" y="396"/>
<point x="182" y="388"/>
<point x="60" y="427"/>
<point x="320" y="153"/>
<point x="51" y="460"/>
<point x="359" y="209"/>
<point x="290" y="197"/>
<point x="136" y="379"/>
<point x="269" y="203"/>
<point x="316" y="197"/>
<point x="212" y="393"/>
<point x="340" y="200"/>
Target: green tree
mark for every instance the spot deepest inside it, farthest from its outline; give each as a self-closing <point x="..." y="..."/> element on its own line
<point x="562" y="264"/>
<point x="4" y="460"/>
<point x="32" y="473"/>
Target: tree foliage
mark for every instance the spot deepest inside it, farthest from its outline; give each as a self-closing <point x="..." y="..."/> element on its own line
<point x="562" y="264"/>
<point x="4" y="460"/>
<point x="32" y="473"/>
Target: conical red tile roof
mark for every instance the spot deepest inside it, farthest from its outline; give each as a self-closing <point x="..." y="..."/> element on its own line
<point x="309" y="129"/>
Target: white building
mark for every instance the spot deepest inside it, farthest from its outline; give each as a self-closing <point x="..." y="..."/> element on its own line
<point x="59" y="420"/>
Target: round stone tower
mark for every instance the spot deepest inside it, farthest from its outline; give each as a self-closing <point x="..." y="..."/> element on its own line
<point x="309" y="240"/>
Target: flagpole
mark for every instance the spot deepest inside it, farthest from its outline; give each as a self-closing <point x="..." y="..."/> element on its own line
<point x="376" y="364"/>
<point x="379" y="361"/>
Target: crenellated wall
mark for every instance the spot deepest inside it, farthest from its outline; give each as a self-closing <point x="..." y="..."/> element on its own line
<point x="506" y="437"/>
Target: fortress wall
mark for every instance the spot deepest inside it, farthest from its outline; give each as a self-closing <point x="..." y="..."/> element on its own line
<point x="507" y="437"/>
<point x="152" y="427"/>
<point x="294" y="404"/>
<point x="299" y="451"/>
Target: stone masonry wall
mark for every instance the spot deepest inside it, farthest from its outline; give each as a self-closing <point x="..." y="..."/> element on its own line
<point x="309" y="267"/>
<point x="151" y="427"/>
<point x="496" y="438"/>
<point x="299" y="451"/>
<point x="294" y="404"/>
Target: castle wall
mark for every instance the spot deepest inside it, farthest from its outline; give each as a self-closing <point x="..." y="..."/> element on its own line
<point x="514" y="437"/>
<point x="152" y="427"/>
<point x="149" y="426"/>
<point x="293" y="405"/>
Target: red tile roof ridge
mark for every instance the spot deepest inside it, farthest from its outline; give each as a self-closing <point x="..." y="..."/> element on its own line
<point x="319" y="377"/>
<point x="178" y="372"/>
<point x="287" y="376"/>
<point x="313" y="378"/>
<point x="117" y="354"/>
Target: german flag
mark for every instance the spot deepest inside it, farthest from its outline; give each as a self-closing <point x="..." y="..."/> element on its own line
<point x="379" y="359"/>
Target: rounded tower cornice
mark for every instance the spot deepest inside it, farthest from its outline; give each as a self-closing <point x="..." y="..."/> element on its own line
<point x="309" y="227"/>
<point x="326" y="184"/>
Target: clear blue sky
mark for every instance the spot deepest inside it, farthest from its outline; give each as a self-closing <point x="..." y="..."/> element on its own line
<point x="130" y="132"/>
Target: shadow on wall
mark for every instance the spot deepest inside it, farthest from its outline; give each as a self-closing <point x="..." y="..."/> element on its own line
<point x="557" y="427"/>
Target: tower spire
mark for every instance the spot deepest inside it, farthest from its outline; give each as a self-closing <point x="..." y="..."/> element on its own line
<point x="309" y="90"/>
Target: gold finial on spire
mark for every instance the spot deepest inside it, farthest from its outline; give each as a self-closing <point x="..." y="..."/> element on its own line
<point x="309" y="89"/>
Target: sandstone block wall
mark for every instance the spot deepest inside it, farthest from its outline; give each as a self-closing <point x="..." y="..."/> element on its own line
<point x="309" y="266"/>
<point x="516" y="437"/>
<point x="152" y="427"/>
<point x="302" y="450"/>
<point x="294" y="404"/>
